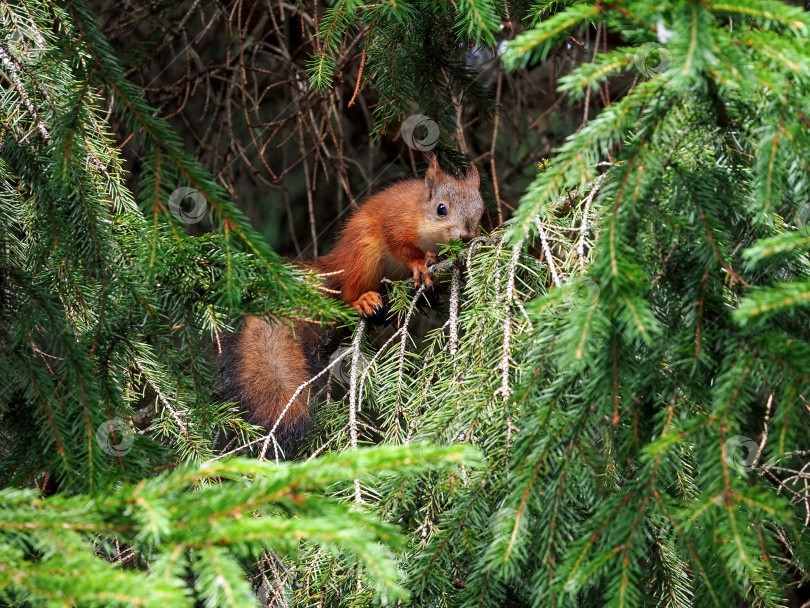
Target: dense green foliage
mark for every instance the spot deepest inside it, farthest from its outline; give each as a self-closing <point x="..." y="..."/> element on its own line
<point x="106" y="296"/>
<point x="108" y="307"/>
<point x="195" y="530"/>
<point x="630" y="352"/>
<point x="644" y="445"/>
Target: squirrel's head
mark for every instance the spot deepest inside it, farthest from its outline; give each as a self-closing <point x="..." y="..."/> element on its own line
<point x="454" y="206"/>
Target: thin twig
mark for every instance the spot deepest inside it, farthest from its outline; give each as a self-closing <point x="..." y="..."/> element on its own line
<point x="354" y="397"/>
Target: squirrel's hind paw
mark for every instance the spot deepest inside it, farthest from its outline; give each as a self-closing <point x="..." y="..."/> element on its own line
<point x="368" y="304"/>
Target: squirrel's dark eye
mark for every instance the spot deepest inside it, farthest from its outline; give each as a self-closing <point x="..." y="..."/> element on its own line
<point x="441" y="210"/>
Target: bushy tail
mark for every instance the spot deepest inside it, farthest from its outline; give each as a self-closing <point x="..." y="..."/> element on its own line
<point x="261" y="368"/>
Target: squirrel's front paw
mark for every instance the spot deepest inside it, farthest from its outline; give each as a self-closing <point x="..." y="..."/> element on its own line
<point x="367" y="304"/>
<point x="421" y="272"/>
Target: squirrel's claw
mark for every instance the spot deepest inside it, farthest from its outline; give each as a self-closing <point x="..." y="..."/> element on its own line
<point x="421" y="272"/>
<point x="368" y="304"/>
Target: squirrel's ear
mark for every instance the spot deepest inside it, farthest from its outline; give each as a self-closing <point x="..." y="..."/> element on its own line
<point x="472" y="176"/>
<point x="434" y="174"/>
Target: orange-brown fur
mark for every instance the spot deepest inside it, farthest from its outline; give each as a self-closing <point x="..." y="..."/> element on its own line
<point x="394" y="234"/>
<point x="264" y="364"/>
<point x="266" y="347"/>
<point x="394" y="225"/>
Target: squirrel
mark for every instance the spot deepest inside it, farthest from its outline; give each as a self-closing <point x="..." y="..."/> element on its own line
<point x="394" y="234"/>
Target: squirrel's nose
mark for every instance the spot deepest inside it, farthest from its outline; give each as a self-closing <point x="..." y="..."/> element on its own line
<point x="467" y="236"/>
